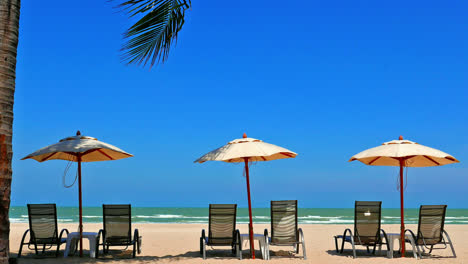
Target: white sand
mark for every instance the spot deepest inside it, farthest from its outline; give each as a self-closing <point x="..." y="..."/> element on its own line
<point x="170" y="243"/>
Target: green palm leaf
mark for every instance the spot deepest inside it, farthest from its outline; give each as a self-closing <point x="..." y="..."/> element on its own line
<point x="150" y="39"/>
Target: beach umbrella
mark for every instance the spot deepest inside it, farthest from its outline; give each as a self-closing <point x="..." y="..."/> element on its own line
<point x="247" y="150"/>
<point x="403" y="153"/>
<point x="79" y="149"/>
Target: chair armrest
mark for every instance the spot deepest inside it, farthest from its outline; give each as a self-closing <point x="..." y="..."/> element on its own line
<point x="102" y="234"/>
<point x="382" y="232"/>
<point x="203" y="234"/>
<point x="411" y="232"/>
<point x="136" y="235"/>
<point x="347" y="230"/>
<point x="24" y="236"/>
<point x="300" y="235"/>
<point x="61" y="233"/>
<point x="238" y="239"/>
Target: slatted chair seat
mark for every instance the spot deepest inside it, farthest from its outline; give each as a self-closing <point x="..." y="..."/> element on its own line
<point x="431" y="230"/>
<point x="221" y="229"/>
<point x="367" y="231"/>
<point x="284" y="227"/>
<point x="117" y="231"/>
<point x="43" y="229"/>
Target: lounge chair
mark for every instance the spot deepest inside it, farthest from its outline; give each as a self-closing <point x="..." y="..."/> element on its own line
<point x="284" y="231"/>
<point x="221" y="229"/>
<point x="431" y="229"/>
<point x="367" y="231"/>
<point x="117" y="221"/>
<point x="43" y="229"/>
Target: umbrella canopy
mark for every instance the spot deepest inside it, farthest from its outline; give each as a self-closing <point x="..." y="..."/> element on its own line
<point x="414" y="154"/>
<point x="70" y="148"/>
<point x="247" y="150"/>
<point x="79" y="149"/>
<point x="251" y="148"/>
<point x="403" y="153"/>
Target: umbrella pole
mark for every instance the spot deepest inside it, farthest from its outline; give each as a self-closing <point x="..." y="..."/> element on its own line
<point x="252" y="249"/>
<point x="81" y="208"/>
<point x="402" y="237"/>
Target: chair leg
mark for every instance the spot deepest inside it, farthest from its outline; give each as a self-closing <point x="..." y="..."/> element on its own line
<point x="58" y="250"/>
<point x="204" y="249"/>
<point x="342" y="245"/>
<point x="304" y="250"/>
<point x="450" y="243"/>
<point x="20" y="249"/>
<point x="430" y="250"/>
<point x="134" y="247"/>
<point x="22" y="243"/>
<point x="336" y="244"/>
<point x="201" y="245"/>
<point x="354" y="248"/>
<point x="35" y="248"/>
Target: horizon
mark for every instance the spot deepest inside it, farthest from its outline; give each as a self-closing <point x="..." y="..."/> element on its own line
<point x="346" y="77"/>
<point x="206" y="207"/>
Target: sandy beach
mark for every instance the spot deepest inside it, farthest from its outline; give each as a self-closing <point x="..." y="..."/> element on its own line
<point x="179" y="243"/>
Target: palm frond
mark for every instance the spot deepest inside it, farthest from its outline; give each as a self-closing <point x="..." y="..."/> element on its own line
<point x="151" y="37"/>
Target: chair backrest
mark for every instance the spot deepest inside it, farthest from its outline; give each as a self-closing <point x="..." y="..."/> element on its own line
<point x="431" y="224"/>
<point x="117" y="220"/>
<point x="367" y="216"/>
<point x="43" y="222"/>
<point x="222" y="224"/>
<point x="284" y="222"/>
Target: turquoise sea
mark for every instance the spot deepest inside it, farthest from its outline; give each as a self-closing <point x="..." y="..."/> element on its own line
<point x="261" y="215"/>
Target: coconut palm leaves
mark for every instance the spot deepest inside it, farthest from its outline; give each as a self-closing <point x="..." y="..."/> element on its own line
<point x="149" y="39"/>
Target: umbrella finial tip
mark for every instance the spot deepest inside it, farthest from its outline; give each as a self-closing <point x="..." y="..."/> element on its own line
<point x="401" y="137"/>
<point x="78" y="133"/>
<point x="245" y="135"/>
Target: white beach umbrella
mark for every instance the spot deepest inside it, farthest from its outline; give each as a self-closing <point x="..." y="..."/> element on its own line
<point x="403" y="153"/>
<point x="245" y="150"/>
<point x="79" y="149"/>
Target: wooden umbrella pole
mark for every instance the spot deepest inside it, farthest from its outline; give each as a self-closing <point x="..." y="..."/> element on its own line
<point x="81" y="207"/>
<point x="402" y="213"/>
<point x="252" y="249"/>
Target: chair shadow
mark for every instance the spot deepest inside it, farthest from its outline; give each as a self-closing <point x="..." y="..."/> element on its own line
<point x="396" y="254"/>
<point x="116" y="255"/>
<point x="360" y="253"/>
<point x="284" y="254"/>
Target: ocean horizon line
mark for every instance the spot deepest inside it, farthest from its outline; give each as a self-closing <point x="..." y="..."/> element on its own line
<point x="206" y="207"/>
<point x="198" y="215"/>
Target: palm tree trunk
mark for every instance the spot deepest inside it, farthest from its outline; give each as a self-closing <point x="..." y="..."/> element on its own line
<point x="9" y="31"/>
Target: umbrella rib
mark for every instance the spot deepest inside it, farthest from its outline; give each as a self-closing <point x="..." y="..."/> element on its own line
<point x="102" y="152"/>
<point x="427" y="157"/>
<point x="450" y="158"/>
<point x="88" y="151"/>
<point x="46" y="158"/>
<point x="370" y="163"/>
<point x="287" y="154"/>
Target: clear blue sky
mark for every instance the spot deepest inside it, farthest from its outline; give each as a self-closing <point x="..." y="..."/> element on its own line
<point x="326" y="79"/>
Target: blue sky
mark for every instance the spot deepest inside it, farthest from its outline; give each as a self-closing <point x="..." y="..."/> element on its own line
<point x="324" y="79"/>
